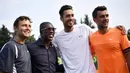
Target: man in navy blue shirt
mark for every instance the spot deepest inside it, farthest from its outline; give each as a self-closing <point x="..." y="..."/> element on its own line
<point x="43" y="52"/>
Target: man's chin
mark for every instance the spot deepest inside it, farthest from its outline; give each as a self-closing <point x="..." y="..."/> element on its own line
<point x="70" y="25"/>
<point x="50" y="40"/>
<point x="27" y="36"/>
<point x="102" y="27"/>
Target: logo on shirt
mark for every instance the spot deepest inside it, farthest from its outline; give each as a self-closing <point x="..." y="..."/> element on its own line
<point x="110" y="39"/>
<point x="80" y="36"/>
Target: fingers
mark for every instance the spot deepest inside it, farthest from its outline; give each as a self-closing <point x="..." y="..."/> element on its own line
<point x="122" y="28"/>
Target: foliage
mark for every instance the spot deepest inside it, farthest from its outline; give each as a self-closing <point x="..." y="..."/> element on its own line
<point x="4" y="35"/>
<point x="30" y="39"/>
<point x="87" y="21"/>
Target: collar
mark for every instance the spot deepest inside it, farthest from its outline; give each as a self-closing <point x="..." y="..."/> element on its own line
<point x="40" y="43"/>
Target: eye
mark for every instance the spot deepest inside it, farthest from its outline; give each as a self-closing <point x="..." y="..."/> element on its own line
<point x="101" y="16"/>
<point x="30" y="26"/>
<point x="107" y="15"/>
<point x="72" y="15"/>
<point x="68" y="15"/>
<point x="49" y="29"/>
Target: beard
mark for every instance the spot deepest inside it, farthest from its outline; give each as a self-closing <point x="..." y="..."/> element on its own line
<point x="69" y="23"/>
<point x="102" y="26"/>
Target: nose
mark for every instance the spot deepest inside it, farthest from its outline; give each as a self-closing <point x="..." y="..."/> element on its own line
<point x="71" y="17"/>
<point x="106" y="16"/>
<point x="52" y="30"/>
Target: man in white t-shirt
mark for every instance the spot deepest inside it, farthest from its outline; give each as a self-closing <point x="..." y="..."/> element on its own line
<point x="73" y="44"/>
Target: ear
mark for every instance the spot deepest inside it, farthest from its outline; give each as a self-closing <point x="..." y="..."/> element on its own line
<point x="15" y="28"/>
<point x="94" y="19"/>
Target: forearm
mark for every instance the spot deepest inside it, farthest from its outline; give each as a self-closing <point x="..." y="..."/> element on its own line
<point x="128" y="60"/>
<point x="127" y="56"/>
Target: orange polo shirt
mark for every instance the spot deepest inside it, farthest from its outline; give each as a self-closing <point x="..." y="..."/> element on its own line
<point x="109" y="51"/>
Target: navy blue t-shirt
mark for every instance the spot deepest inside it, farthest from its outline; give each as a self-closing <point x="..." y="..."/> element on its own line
<point x="15" y="58"/>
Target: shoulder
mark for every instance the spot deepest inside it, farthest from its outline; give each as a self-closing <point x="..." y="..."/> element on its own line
<point x="83" y="27"/>
<point x="33" y="48"/>
<point x="58" y="34"/>
<point x="10" y="45"/>
<point x="95" y="34"/>
<point x="32" y="45"/>
<point x="115" y="31"/>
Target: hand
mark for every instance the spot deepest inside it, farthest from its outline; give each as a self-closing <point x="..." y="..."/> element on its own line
<point x="122" y="28"/>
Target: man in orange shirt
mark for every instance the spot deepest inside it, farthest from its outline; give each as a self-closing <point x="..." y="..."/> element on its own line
<point x="110" y="46"/>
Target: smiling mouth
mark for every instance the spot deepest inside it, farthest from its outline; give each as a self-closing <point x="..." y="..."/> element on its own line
<point x="27" y="32"/>
<point x="51" y="35"/>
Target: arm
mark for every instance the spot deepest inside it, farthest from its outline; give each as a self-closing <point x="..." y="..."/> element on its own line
<point x="91" y="47"/>
<point x="127" y="56"/>
<point x="7" y="56"/>
<point x="92" y="50"/>
<point x="89" y="30"/>
<point x="59" y="65"/>
<point x="124" y="42"/>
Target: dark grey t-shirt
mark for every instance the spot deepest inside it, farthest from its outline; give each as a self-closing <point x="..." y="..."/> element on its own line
<point x="12" y="61"/>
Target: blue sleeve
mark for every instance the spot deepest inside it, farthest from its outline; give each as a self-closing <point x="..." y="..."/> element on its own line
<point x="7" y="57"/>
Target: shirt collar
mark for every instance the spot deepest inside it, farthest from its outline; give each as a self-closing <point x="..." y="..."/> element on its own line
<point x="40" y="43"/>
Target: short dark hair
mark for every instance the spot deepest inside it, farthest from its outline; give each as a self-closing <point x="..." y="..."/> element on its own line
<point x="42" y="26"/>
<point x="99" y="8"/>
<point x="21" y="18"/>
<point x="63" y="8"/>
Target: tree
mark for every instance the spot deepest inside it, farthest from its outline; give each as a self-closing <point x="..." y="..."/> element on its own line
<point x="4" y="35"/>
<point x="87" y="21"/>
<point x="128" y="32"/>
<point x="128" y="35"/>
<point x="30" y="39"/>
<point x="81" y="21"/>
<point x="75" y="22"/>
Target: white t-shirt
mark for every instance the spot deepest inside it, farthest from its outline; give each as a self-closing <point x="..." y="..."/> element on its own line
<point x="74" y="50"/>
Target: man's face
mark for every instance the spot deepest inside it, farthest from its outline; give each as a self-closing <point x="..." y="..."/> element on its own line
<point x="24" y="29"/>
<point x="48" y="32"/>
<point x="102" y="19"/>
<point x="68" y="18"/>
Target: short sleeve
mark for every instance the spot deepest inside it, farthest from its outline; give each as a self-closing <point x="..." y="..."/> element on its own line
<point x="88" y="29"/>
<point x="7" y="57"/>
<point x="124" y="42"/>
<point x="91" y="48"/>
